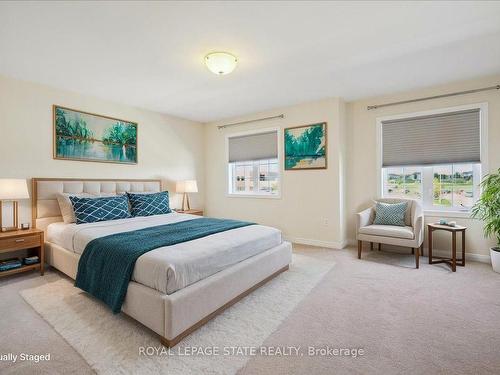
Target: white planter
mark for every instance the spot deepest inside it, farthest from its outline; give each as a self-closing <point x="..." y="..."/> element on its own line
<point x="495" y="259"/>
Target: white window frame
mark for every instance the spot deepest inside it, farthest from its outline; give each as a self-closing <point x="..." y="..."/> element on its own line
<point x="427" y="191"/>
<point x="280" y="164"/>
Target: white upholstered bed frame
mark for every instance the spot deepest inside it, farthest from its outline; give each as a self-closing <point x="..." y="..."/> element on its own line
<point x="172" y="316"/>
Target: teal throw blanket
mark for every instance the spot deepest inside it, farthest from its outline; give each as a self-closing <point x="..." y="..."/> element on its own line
<point x="106" y="265"/>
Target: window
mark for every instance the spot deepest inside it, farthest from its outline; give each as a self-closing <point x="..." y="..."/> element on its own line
<point x="451" y="187"/>
<point x="403" y="182"/>
<point x="454" y="185"/>
<point x="257" y="177"/>
<point x="253" y="167"/>
<point x="435" y="157"/>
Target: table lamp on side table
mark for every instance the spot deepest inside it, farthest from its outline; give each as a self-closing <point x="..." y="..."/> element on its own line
<point x="187" y="186"/>
<point x="12" y="190"/>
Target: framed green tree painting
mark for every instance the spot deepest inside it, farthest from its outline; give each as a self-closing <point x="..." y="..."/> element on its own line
<point x="86" y="136"/>
<point x="306" y="147"/>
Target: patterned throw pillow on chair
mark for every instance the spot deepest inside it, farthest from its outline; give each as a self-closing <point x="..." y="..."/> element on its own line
<point x="390" y="213"/>
<point x="149" y="204"/>
<point x="91" y="210"/>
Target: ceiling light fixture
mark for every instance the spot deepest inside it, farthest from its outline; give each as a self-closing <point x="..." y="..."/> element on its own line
<point x="221" y="63"/>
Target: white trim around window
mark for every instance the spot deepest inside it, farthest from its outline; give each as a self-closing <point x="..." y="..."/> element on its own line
<point x="478" y="174"/>
<point x="280" y="163"/>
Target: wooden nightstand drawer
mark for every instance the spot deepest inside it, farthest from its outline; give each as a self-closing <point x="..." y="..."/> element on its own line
<point x="17" y="243"/>
<point x="20" y="240"/>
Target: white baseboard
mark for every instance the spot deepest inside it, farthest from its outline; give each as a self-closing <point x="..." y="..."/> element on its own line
<point x="447" y="253"/>
<point x="468" y="256"/>
<point x="341" y="244"/>
<point x="308" y="241"/>
<point x="352" y="242"/>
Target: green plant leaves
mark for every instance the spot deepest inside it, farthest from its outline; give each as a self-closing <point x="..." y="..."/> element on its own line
<point x="487" y="208"/>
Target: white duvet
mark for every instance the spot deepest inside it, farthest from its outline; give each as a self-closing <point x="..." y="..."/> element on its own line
<point x="170" y="268"/>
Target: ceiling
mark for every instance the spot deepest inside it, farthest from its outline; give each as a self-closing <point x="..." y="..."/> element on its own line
<point x="150" y="54"/>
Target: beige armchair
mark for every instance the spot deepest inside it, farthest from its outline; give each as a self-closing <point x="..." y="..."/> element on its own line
<point x="411" y="235"/>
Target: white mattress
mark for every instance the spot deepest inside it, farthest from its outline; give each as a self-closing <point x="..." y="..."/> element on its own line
<point x="170" y="268"/>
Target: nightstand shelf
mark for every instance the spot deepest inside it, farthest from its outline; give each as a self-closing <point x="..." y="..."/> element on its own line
<point x="23" y="268"/>
<point x="20" y="240"/>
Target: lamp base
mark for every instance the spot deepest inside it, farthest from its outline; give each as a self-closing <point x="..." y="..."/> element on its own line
<point x="15" y="213"/>
<point x="9" y="229"/>
<point x="185" y="202"/>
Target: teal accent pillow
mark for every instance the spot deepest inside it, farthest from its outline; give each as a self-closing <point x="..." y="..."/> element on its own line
<point x="149" y="204"/>
<point x="91" y="210"/>
<point x="390" y="213"/>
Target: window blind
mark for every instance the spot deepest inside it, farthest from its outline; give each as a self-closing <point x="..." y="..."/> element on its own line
<point x="253" y="147"/>
<point x="436" y="139"/>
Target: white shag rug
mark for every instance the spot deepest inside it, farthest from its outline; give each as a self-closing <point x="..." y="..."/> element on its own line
<point x="111" y="343"/>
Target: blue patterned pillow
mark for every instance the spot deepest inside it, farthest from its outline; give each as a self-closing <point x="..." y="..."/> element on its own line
<point x="149" y="204"/>
<point x="91" y="210"/>
<point x="390" y="213"/>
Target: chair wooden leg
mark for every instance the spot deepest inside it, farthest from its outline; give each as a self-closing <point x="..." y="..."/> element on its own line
<point x="417" y="260"/>
<point x="360" y="245"/>
<point x="371" y="246"/>
<point x="379" y="246"/>
<point x="422" y="249"/>
<point x="413" y="250"/>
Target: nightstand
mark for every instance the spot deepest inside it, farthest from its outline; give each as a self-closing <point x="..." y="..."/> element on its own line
<point x="31" y="240"/>
<point x="190" y="212"/>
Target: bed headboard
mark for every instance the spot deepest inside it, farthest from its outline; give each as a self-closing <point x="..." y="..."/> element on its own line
<point x="45" y="209"/>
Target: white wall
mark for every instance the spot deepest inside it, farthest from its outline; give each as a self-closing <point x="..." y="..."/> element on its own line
<point x="309" y="209"/>
<point x="169" y="148"/>
<point x="362" y="167"/>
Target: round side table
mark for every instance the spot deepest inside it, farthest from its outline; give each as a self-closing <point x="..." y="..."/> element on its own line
<point x="453" y="260"/>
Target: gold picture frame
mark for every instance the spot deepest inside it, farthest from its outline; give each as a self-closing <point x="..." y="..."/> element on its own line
<point x="85" y="136"/>
<point x="313" y="137"/>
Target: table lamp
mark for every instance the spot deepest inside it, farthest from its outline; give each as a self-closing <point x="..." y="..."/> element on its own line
<point x="187" y="186"/>
<point x="12" y="190"/>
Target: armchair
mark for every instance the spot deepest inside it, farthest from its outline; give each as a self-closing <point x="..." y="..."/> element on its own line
<point x="411" y="235"/>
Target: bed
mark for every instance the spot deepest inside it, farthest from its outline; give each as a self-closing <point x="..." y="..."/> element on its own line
<point x="175" y="289"/>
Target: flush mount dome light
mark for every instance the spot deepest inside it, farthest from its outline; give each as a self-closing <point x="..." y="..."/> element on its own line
<point x="221" y="63"/>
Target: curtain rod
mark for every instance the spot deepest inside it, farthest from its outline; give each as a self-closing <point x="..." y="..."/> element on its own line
<point x="497" y="87"/>
<point x="249" y="121"/>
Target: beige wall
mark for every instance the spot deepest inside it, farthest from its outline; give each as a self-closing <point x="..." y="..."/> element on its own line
<point x="310" y="207"/>
<point x="362" y="167"/>
<point x="169" y="148"/>
<point x="316" y="206"/>
<point x="350" y="182"/>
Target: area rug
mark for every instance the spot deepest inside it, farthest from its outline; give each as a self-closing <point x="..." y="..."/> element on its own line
<point x="114" y="344"/>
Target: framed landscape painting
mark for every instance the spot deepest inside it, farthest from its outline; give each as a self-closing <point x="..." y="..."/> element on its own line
<point x="86" y="136"/>
<point x="305" y="147"/>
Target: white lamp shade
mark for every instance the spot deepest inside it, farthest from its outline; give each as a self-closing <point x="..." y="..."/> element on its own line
<point x="221" y="63"/>
<point x="187" y="186"/>
<point x="13" y="189"/>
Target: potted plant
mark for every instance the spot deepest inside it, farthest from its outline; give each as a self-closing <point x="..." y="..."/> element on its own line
<point x="487" y="208"/>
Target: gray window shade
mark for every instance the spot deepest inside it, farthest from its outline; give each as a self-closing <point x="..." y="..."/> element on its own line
<point x="437" y="139"/>
<point x="253" y="147"/>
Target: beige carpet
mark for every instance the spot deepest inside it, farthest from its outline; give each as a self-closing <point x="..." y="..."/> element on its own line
<point x="110" y="343"/>
<point x="409" y="321"/>
<point x="427" y="321"/>
<point x="24" y="331"/>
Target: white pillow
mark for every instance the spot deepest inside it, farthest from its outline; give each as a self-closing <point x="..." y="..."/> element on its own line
<point x="66" y="207"/>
